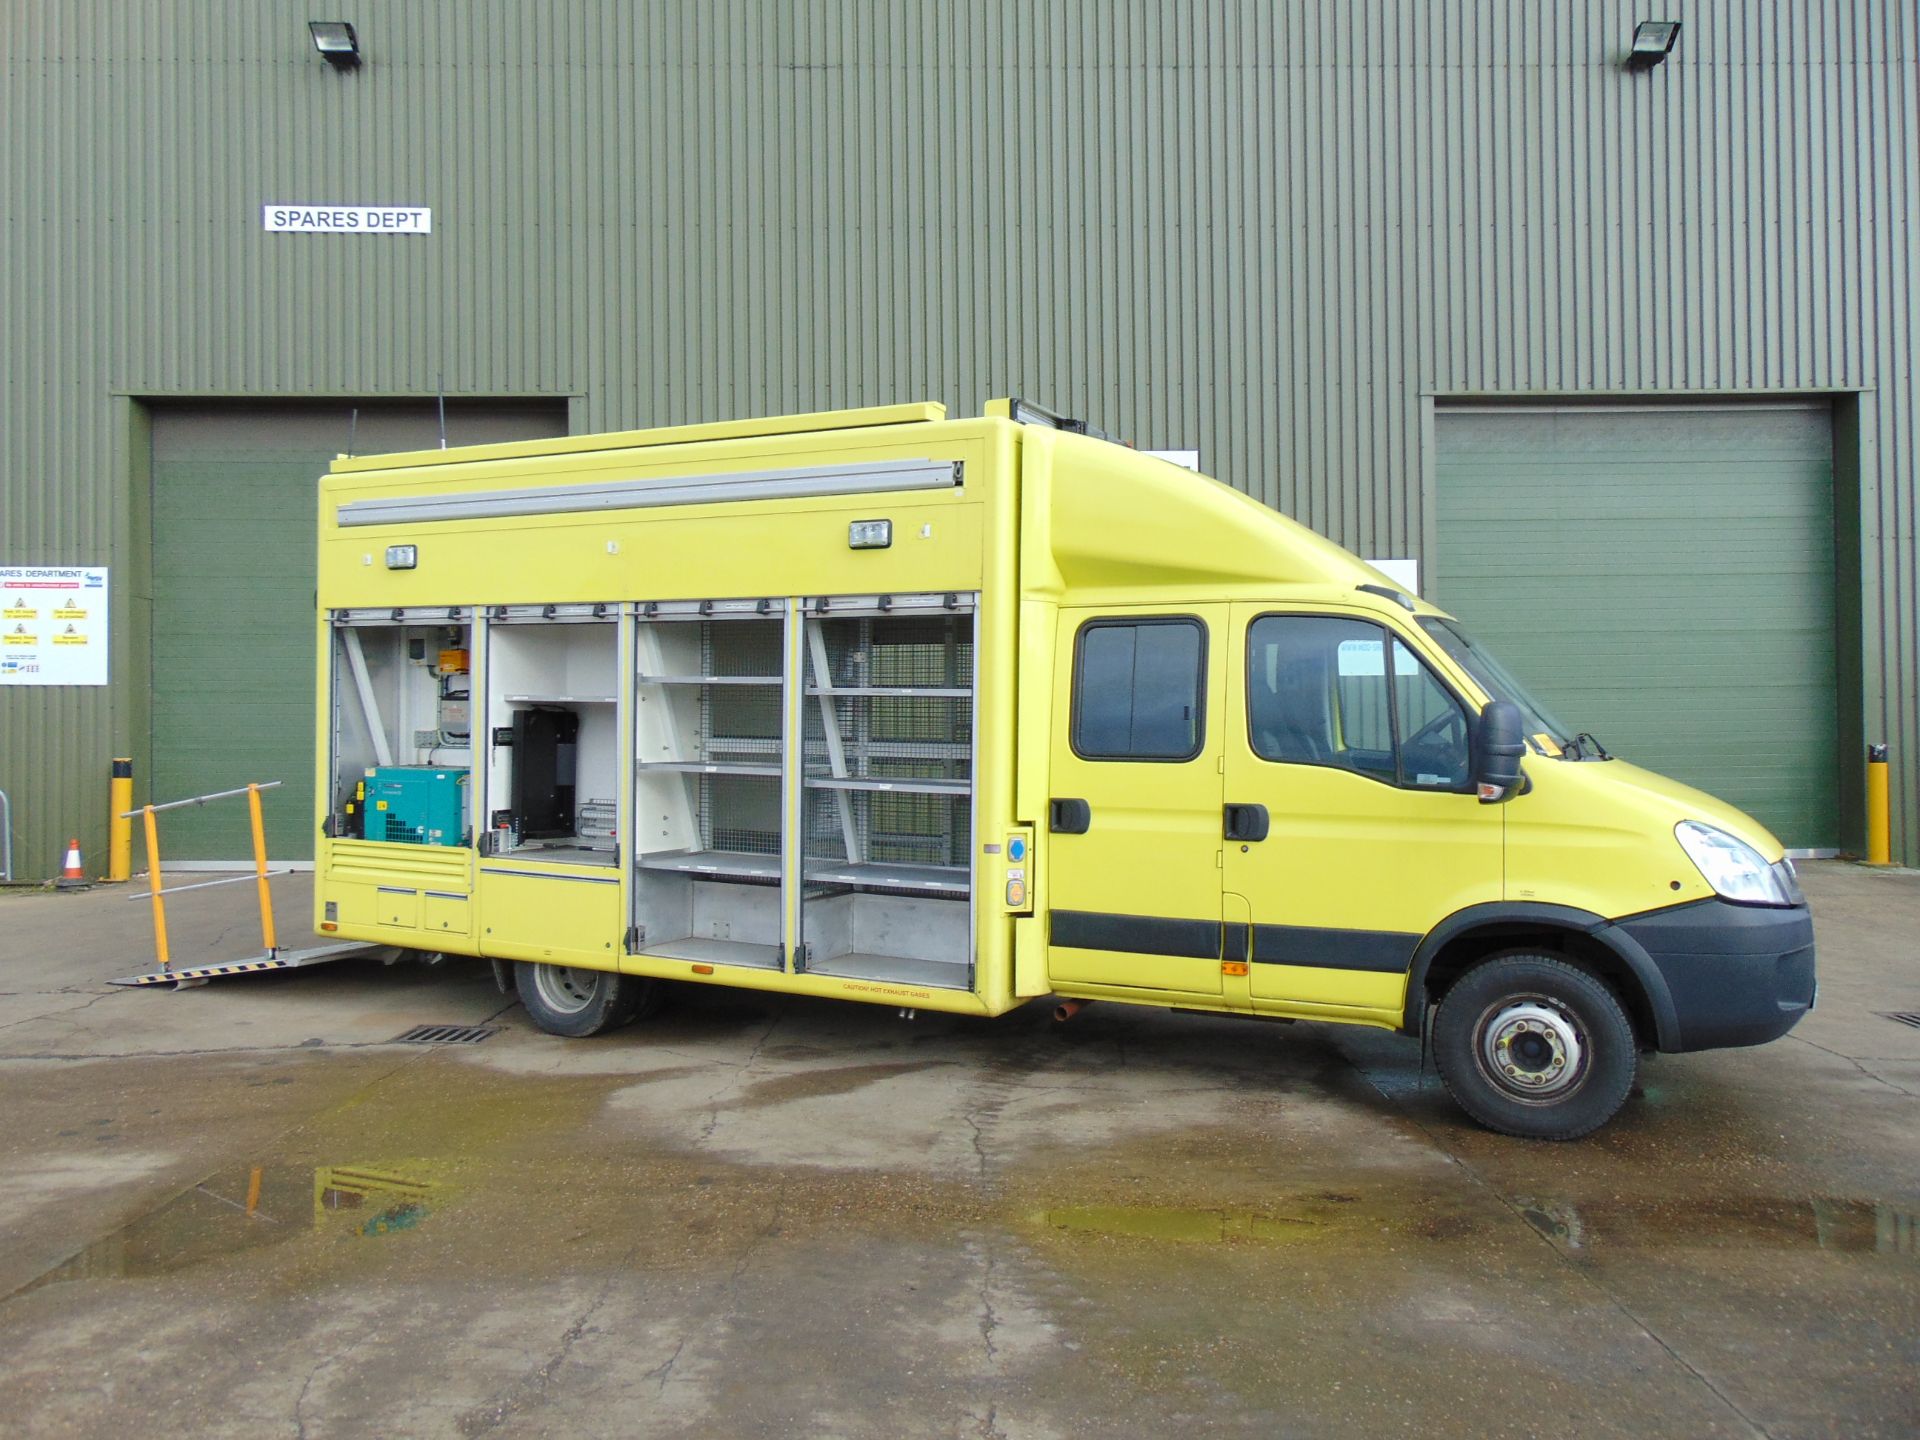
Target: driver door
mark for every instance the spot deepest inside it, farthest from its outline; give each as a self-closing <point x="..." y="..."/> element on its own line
<point x="1353" y="757"/>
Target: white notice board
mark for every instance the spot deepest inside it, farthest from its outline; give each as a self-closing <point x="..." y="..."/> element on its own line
<point x="1404" y="573"/>
<point x="53" y="625"/>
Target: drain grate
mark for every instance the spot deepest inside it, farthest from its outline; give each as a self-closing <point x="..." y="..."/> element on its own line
<point x="446" y="1035"/>
<point x="1903" y="1017"/>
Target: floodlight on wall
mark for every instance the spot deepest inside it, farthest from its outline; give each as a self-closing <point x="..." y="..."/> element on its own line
<point x="1652" y="42"/>
<point x="336" y="42"/>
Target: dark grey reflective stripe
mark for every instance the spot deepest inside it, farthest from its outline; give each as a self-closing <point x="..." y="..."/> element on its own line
<point x="1385" y="951"/>
<point x="1135" y="934"/>
<point x="1235" y="948"/>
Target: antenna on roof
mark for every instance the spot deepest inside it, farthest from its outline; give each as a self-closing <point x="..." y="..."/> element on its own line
<point x="353" y="428"/>
<point x="442" y="392"/>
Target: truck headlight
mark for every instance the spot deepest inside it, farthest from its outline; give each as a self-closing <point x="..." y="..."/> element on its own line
<point x="1735" y="869"/>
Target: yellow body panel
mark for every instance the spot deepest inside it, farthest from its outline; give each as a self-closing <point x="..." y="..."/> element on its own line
<point x="1153" y="846"/>
<point x="1347" y="853"/>
<point x="1048" y="530"/>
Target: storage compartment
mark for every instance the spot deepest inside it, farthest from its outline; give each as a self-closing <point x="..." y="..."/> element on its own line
<point x="402" y="743"/>
<point x="446" y="912"/>
<point x="881" y="786"/>
<point x="552" y="680"/>
<point x="887" y="796"/>
<point x="710" y="750"/>
<point x="396" y="906"/>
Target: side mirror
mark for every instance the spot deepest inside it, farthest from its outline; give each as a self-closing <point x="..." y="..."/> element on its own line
<point x="1497" y="751"/>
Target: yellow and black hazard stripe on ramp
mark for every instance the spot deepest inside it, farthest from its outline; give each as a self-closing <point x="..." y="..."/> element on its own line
<point x="200" y="974"/>
<point x="182" y="977"/>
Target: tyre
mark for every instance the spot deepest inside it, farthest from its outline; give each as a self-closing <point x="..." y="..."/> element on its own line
<point x="1529" y="1045"/>
<point x="563" y="1000"/>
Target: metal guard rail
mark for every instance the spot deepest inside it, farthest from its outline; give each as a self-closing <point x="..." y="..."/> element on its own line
<point x="159" y="890"/>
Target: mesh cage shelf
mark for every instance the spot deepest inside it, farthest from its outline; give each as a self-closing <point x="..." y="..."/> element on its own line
<point x="890" y="737"/>
<point x="916" y="651"/>
<point x="891" y="705"/>
<point x="739" y="813"/>
<point x="889" y="828"/>
<point x="749" y="649"/>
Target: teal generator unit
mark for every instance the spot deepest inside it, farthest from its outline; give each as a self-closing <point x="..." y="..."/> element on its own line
<point x="417" y="805"/>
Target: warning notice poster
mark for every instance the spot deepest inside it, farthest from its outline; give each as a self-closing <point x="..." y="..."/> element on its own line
<point x="53" y="625"/>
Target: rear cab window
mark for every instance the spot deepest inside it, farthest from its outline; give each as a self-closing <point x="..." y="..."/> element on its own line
<point x="1139" y="689"/>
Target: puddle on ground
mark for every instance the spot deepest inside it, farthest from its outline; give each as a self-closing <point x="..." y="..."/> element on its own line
<point x="822" y="1083"/>
<point x="1827" y="1224"/>
<point x="1822" y="1223"/>
<point x="1176" y="1223"/>
<point x="255" y="1208"/>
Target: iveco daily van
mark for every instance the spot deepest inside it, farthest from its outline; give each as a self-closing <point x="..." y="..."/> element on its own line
<point x="950" y="714"/>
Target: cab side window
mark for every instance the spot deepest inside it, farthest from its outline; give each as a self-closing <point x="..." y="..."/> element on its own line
<point x="1139" y="689"/>
<point x="1345" y="694"/>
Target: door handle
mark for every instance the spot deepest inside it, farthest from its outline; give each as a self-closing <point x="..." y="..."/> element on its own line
<point x="1246" y="822"/>
<point x="1069" y="817"/>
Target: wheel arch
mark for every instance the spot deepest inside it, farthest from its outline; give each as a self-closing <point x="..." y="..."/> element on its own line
<point x="1468" y="936"/>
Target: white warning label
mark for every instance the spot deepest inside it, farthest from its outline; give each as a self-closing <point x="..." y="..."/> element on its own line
<point x="53" y="625"/>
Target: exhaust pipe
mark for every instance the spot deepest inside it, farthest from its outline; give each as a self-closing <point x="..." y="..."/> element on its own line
<point x="1067" y="1009"/>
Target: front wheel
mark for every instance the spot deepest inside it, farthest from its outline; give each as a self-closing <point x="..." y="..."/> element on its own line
<point x="1531" y="1046"/>
<point x="564" y="1000"/>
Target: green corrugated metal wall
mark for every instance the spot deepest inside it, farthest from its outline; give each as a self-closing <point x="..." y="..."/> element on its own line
<point x="1271" y="231"/>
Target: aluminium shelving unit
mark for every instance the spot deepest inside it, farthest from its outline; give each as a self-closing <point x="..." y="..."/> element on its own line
<point x="887" y="789"/>
<point x="709" y="766"/>
<point x="877" y="797"/>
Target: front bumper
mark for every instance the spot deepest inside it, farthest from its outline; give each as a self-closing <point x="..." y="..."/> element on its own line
<point x="1737" y="974"/>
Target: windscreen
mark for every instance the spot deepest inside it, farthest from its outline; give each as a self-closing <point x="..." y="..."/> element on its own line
<point x="1496" y="680"/>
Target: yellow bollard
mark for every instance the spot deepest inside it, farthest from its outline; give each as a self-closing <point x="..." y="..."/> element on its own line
<point x="120" y="822"/>
<point x="1879" y="845"/>
<point x="260" y="870"/>
<point x="153" y="879"/>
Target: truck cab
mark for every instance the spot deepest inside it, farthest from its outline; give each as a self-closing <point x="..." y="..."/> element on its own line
<point x="1388" y="829"/>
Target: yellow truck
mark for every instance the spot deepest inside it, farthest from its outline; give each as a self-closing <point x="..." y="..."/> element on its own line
<point x="952" y="714"/>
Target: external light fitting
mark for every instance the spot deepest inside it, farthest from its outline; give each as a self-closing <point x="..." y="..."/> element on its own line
<point x="1653" y="41"/>
<point x="336" y="42"/>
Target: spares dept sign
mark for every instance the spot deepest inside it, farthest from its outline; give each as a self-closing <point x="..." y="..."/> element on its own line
<point x="347" y="219"/>
<point x="53" y="625"/>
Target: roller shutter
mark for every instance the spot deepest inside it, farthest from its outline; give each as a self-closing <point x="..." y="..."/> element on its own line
<point x="1664" y="578"/>
<point x="234" y="536"/>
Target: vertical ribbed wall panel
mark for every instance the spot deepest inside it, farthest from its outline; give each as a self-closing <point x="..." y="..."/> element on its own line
<point x="1266" y="230"/>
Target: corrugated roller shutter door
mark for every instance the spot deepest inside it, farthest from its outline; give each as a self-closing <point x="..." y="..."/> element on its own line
<point x="234" y="526"/>
<point x="233" y="647"/>
<point x="1663" y="578"/>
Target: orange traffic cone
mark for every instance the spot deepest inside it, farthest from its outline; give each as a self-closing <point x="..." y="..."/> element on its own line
<point x="74" y="875"/>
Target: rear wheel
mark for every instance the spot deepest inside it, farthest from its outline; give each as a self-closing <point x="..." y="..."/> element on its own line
<point x="1530" y="1045"/>
<point x="565" y="1000"/>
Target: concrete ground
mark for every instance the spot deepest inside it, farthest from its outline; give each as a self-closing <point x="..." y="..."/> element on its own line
<point x="243" y="1210"/>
